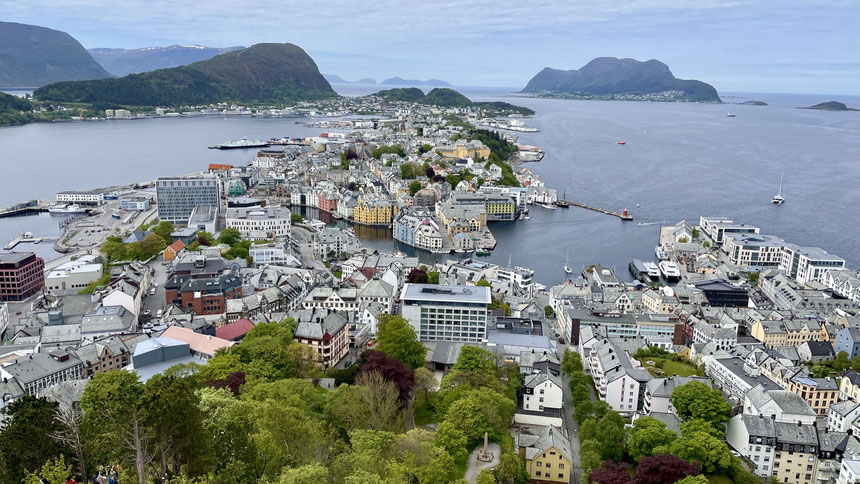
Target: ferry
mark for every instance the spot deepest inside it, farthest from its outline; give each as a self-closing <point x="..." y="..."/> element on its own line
<point x="661" y="254"/>
<point x="653" y="270"/>
<point x="66" y="209"/>
<point x="483" y="252"/>
<point x="730" y="115"/>
<point x="242" y="143"/>
<point x="670" y="270"/>
<point x="639" y="270"/>
<point x="622" y="142"/>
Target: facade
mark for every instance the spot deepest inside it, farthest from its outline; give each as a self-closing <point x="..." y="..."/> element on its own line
<point x="619" y="379"/>
<point x="464" y="148"/>
<point x="718" y="227"/>
<point x="332" y="240"/>
<point x="547" y="455"/>
<point x="134" y="203"/>
<point x="660" y="302"/>
<point x="723" y="294"/>
<point x="446" y="313"/>
<point x="808" y="264"/>
<point x="374" y="212"/>
<point x="271" y="221"/>
<point x="542" y="400"/>
<point x="38" y="371"/>
<point x="498" y="207"/>
<point x="849" y="387"/>
<point x="848" y="340"/>
<point x="173" y="250"/>
<point x="179" y="196"/>
<point x="73" y="276"/>
<point x="81" y="198"/>
<point x="843" y="282"/>
<point x="22" y="274"/>
<point x="325" y="331"/>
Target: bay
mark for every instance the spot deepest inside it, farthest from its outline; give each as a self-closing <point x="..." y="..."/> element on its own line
<point x="680" y="161"/>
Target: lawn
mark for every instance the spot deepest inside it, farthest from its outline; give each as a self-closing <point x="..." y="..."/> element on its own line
<point x="660" y="367"/>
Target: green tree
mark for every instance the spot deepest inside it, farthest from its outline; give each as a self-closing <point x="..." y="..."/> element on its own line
<point x="475" y="359"/>
<point x="647" y="434"/>
<point x="548" y="312"/>
<point x="590" y="452"/>
<point x="230" y="236"/>
<point x="704" y="448"/>
<point x="451" y="438"/>
<point x="307" y="474"/>
<point x="571" y="362"/>
<point x="433" y="277"/>
<point x="580" y="394"/>
<point x="54" y="471"/>
<point x="698" y="425"/>
<point x="163" y="230"/>
<point x="407" y="172"/>
<point x="485" y="477"/>
<point x="841" y="363"/>
<point x="483" y="283"/>
<point x="414" y="187"/>
<point x="152" y="244"/>
<point x="25" y="439"/>
<point x="698" y="400"/>
<point x="295" y="218"/>
<point x="397" y="339"/>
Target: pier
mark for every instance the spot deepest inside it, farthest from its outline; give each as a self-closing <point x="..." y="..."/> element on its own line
<point x="568" y="203"/>
<point x="26" y="239"/>
<point x="25" y="208"/>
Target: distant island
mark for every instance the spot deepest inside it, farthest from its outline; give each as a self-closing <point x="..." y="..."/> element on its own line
<point x="335" y="79"/>
<point x="831" y="106"/>
<point x="262" y="73"/>
<point x="32" y="56"/>
<point x="121" y="62"/>
<point x="449" y="98"/>
<point x="414" y="82"/>
<point x="610" y="78"/>
<point x="753" y="103"/>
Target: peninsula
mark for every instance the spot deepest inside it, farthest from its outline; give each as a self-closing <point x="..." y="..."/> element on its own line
<point x="610" y="78"/>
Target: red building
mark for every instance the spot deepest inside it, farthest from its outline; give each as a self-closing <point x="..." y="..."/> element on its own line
<point x="326" y="203"/>
<point x="202" y="285"/>
<point x="21" y="275"/>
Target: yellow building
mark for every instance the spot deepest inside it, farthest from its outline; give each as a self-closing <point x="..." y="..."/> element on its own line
<point x="547" y="456"/>
<point x="374" y="212"/>
<point x="849" y="388"/>
<point x="659" y="303"/>
<point x="788" y="332"/>
<point x="796" y="453"/>
<point x="461" y="218"/>
<point x="464" y="149"/>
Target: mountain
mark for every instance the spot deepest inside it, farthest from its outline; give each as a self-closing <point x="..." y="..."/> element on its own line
<point x="831" y="106"/>
<point x="121" y="62"/>
<point x="408" y="94"/>
<point x="334" y="78"/>
<point x="366" y="80"/>
<point x="262" y="73"/>
<point x="444" y="97"/>
<point x="613" y="78"/>
<point x="414" y="82"/>
<point x="32" y="56"/>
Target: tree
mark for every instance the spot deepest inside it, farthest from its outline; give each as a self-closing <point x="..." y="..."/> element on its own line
<point x="393" y="371"/>
<point x="307" y="474"/>
<point x="373" y="403"/>
<point x="698" y="400"/>
<point x="610" y="473"/>
<point x="475" y="359"/>
<point x="25" y="440"/>
<point x="152" y="244"/>
<point x="451" y="438"/>
<point x="647" y="434"/>
<point x="547" y="311"/>
<point x="397" y="339"/>
<point x="589" y="453"/>
<point x="571" y="362"/>
<point x="699" y="479"/>
<point x="712" y="453"/>
<point x="583" y="411"/>
<point x="433" y="278"/>
<point x="699" y="425"/>
<point x="580" y="394"/>
<point x="664" y="469"/>
<point x="841" y="362"/>
<point x="230" y="236"/>
<point x="163" y="230"/>
<point x="483" y="283"/>
<point x="54" y="471"/>
<point x="407" y="172"/>
<point x="414" y="187"/>
<point x="70" y="434"/>
<point x="485" y="477"/>
<point x="295" y="218"/>
<point x="425" y="381"/>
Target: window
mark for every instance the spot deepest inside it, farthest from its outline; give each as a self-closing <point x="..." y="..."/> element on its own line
<point x="539" y="463"/>
<point x="561" y="466"/>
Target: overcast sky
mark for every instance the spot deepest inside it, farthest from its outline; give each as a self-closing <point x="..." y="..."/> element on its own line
<point x="749" y="46"/>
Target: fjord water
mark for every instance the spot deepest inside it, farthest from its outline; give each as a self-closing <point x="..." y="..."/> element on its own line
<point x="680" y="161"/>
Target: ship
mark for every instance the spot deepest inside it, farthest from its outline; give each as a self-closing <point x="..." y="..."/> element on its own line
<point x="670" y="270"/>
<point x="653" y="270"/>
<point x="730" y="115"/>
<point x="241" y="144"/>
<point x="66" y="209"/>
<point x="639" y="270"/>
<point x="622" y="142"/>
<point x="483" y="252"/>
<point x="778" y="198"/>
<point x="660" y="253"/>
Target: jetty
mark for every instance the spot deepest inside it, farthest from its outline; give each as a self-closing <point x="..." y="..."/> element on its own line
<point x="24" y="208"/>
<point x="26" y="238"/>
<point x="569" y="203"/>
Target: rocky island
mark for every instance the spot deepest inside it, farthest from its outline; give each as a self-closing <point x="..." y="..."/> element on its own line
<point x="610" y="78"/>
<point x="831" y="106"/>
<point x="753" y="103"/>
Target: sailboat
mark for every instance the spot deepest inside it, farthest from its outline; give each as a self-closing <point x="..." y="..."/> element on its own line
<point x="778" y="198"/>
<point x="567" y="263"/>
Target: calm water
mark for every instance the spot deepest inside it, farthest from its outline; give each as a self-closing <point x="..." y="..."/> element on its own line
<point x="680" y="161"/>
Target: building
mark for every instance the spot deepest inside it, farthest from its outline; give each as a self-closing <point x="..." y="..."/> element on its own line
<point x="547" y="455"/>
<point x="843" y="282"/>
<point x="73" y="276"/>
<point x="334" y="242"/>
<point x="572" y="320"/>
<point x="174" y="250"/>
<point x="542" y="400"/>
<point x="38" y="371"/>
<point x="620" y="380"/>
<point x="325" y="331"/>
<point x="4" y="320"/>
<point x="202" y="285"/>
<point x="374" y="212"/>
<point x="849" y="387"/>
<point x="722" y="294"/>
<point x="179" y="196"/>
<point x="848" y="340"/>
<point x="661" y="301"/>
<point x="819" y="393"/>
<point x="106" y="321"/>
<point x="748" y="249"/>
<point x="134" y="203"/>
<point x="22" y="274"/>
<point x="91" y="198"/>
<point x="796" y="453"/>
<point x="498" y="207"/>
<point x="234" y="331"/>
<point x="849" y="471"/>
<point x="718" y="227"/>
<point x="816" y="351"/>
<point x="201" y="345"/>
<point x="463" y="148"/>
<point x="658" y="393"/>
<point x="266" y="222"/>
<point x="788" y="332"/>
<point x="842" y="415"/>
<point x="754" y="437"/>
<point x="808" y="264"/>
<point x="204" y="217"/>
<point x="446" y="313"/>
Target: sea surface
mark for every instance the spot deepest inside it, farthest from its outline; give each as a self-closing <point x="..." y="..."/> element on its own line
<point x="680" y="161"/>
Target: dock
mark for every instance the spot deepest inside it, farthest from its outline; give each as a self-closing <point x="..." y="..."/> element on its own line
<point x="25" y="208"/>
<point x="22" y="239"/>
<point x="568" y="203"/>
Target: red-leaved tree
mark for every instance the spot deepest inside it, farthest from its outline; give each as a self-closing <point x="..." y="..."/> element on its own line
<point x="393" y="371"/>
<point x="611" y="473"/>
<point x="664" y="469"/>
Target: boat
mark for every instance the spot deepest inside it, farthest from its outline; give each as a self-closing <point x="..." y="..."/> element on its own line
<point x="653" y="270"/>
<point x="661" y="254"/>
<point x="242" y="143"/>
<point x="483" y="252"/>
<point x="548" y="206"/>
<point x="639" y="271"/>
<point x="730" y="115"/>
<point x="778" y="198"/>
<point x="622" y="142"/>
<point x="670" y="270"/>
<point x="567" y="263"/>
<point x="66" y="209"/>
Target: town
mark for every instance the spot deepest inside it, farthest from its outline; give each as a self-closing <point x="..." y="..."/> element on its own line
<point x="208" y="308"/>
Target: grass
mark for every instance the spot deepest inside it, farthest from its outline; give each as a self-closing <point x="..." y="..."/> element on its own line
<point x="719" y="480"/>
<point x="422" y="412"/>
<point x="669" y="367"/>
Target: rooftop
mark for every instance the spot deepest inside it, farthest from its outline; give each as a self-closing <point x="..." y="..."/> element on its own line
<point x="438" y="293"/>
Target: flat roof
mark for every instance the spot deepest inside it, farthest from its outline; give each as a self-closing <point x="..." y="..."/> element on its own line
<point x="439" y="293"/>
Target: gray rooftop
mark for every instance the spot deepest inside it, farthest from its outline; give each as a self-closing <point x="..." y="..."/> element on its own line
<point x="436" y="293"/>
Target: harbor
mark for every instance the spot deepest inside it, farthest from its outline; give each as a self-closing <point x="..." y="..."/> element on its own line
<point x="27" y="238"/>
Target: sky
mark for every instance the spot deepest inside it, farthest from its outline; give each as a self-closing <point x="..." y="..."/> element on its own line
<point x="785" y="46"/>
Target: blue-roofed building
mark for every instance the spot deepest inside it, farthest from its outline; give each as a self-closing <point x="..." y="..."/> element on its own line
<point x="848" y="340"/>
<point x="154" y="356"/>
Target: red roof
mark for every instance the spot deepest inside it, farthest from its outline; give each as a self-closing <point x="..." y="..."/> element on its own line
<point x="219" y="166"/>
<point x="235" y="330"/>
<point x="177" y="246"/>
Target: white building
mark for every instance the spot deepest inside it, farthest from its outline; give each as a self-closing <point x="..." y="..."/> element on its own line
<point x="4" y="319"/>
<point x="543" y="399"/>
<point x="446" y="313"/>
<point x="269" y="254"/>
<point x="849" y="472"/>
<point x="619" y="379"/>
<point x="844" y="282"/>
<point x="81" y="198"/>
<point x="842" y="415"/>
<point x="134" y="203"/>
<point x="808" y="264"/>
<point x="271" y="221"/>
<point x="718" y="227"/>
<point x="71" y="277"/>
<point x="658" y="393"/>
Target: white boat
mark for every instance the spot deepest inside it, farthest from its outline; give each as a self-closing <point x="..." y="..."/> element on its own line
<point x="66" y="209"/>
<point x="670" y="270"/>
<point x="653" y="270"/>
<point x="547" y="206"/>
<point x="730" y="115"/>
<point x="778" y="198"/>
<point x="567" y="263"/>
<point x="242" y="143"/>
<point x="661" y="254"/>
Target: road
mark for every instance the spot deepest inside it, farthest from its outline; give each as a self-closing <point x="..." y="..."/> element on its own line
<point x="572" y="431"/>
